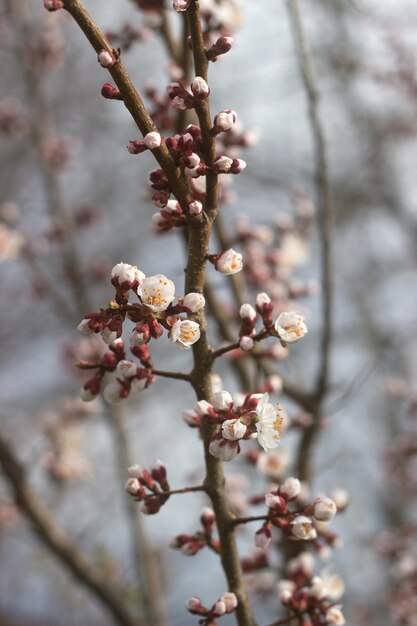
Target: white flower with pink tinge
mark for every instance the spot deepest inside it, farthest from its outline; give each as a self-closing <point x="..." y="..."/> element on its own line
<point x="229" y="262"/>
<point x="156" y="292"/>
<point x="185" y="333"/>
<point x="269" y="420"/>
<point x="233" y="429"/>
<point x="290" y="326"/>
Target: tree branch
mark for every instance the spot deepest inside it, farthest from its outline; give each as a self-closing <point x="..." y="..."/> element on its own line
<point x="131" y="97"/>
<point x="58" y="543"/>
<point x="325" y="217"/>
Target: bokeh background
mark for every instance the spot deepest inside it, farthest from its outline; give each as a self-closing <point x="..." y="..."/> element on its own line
<point x="365" y="57"/>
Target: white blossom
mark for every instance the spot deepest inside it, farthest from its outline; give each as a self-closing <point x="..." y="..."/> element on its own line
<point x="111" y="393"/>
<point x="273" y="463"/>
<point x="247" y="312"/>
<point x="302" y="528"/>
<point x="83" y="327"/>
<point x="185" y="333"/>
<point x="222" y="449"/>
<point x="233" y="429"/>
<point x="246" y="343"/>
<point x="157" y="292"/>
<point x="126" y="273"/>
<point x="290" y="488"/>
<point x="126" y="368"/>
<point x="194" y="302"/>
<point x="324" y="509"/>
<point x="318" y="589"/>
<point x="108" y="335"/>
<point x="222" y="400"/>
<point x="290" y="326"/>
<point x="230" y="601"/>
<point x="203" y="407"/>
<point x="229" y="262"/>
<point x="199" y="87"/>
<point x="334" y="616"/>
<point x="268" y="423"/>
<point x="225" y="120"/>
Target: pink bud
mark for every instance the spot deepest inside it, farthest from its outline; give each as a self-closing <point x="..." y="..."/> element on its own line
<point x="230" y="601"/>
<point x="181" y="5"/>
<point x="53" y="5"/>
<point x="200" y="88"/>
<point x="195" y="207"/>
<point x="106" y="58"/>
<point x="207" y="517"/>
<point x="110" y="93"/>
<point x="219" y="608"/>
<point x="152" y="140"/>
<point x="246" y="343"/>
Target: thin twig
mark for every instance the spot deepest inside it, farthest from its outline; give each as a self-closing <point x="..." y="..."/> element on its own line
<point x="176" y="375"/>
<point x="246" y="520"/>
<point x="325" y="219"/>
<point x="173" y="492"/>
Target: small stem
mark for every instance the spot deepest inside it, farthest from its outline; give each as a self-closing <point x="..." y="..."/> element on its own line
<point x="250" y="518"/>
<point x="173" y="492"/>
<point x="176" y="375"/>
<point x="216" y="353"/>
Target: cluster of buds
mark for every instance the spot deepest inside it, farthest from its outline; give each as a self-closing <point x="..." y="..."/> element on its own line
<point x="191" y="544"/>
<point x="151" y="316"/>
<point x="149" y="487"/>
<point x="226" y="604"/>
<point x="182" y="99"/>
<point x="309" y="597"/>
<point x="117" y="376"/>
<point x="299" y="523"/>
<point x="254" y="418"/>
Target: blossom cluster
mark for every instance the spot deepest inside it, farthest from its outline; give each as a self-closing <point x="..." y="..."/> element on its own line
<point x="148" y="487"/>
<point x="314" y="598"/>
<point x="298" y="522"/>
<point x="151" y="315"/>
<point x="226" y="604"/>
<point x="255" y="417"/>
